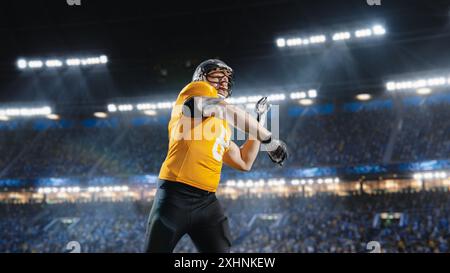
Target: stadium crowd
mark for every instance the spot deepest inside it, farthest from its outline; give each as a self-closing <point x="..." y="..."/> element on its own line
<point x="338" y="139"/>
<point x="320" y="223"/>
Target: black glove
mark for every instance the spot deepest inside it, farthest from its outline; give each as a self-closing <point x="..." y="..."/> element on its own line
<point x="277" y="150"/>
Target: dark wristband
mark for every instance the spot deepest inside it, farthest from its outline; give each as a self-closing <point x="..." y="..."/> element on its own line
<point x="267" y="141"/>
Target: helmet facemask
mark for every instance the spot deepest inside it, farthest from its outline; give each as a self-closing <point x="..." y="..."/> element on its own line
<point x="222" y="80"/>
<point x="214" y="72"/>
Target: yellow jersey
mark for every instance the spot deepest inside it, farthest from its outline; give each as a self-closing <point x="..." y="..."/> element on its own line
<point x="196" y="146"/>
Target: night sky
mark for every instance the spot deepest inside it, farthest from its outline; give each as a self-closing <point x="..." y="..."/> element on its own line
<point x="153" y="48"/>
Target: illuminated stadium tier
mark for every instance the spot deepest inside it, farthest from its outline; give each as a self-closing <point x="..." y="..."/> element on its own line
<point x="407" y="221"/>
<point x="376" y="136"/>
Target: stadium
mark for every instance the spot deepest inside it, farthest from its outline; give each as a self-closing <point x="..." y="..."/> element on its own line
<point x="359" y="94"/>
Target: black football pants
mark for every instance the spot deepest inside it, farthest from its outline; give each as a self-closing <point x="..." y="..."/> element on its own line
<point x="180" y="209"/>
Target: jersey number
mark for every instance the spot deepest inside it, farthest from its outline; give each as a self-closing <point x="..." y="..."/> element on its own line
<point x="219" y="145"/>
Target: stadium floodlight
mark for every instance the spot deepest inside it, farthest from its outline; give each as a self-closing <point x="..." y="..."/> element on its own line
<point x="367" y="32"/>
<point x="13" y="112"/>
<point x="430" y="175"/>
<point x="303" y="181"/>
<point x="53" y="117"/>
<point x="318" y="39"/>
<point x="146" y="106"/>
<point x="306" y="102"/>
<point x="100" y="115"/>
<point x="295" y="182"/>
<point x="378" y="30"/>
<point x="35" y="64"/>
<point x="22" y="64"/>
<point x="73" y="62"/>
<point x="125" y="107"/>
<point x="390" y="86"/>
<point x="90" y="61"/>
<point x="337" y="180"/>
<point x="436" y="81"/>
<point x="424" y="91"/>
<point x="150" y="112"/>
<point x="46" y="110"/>
<point x="319" y="181"/>
<point x="417" y="176"/>
<point x="328" y="180"/>
<point x="103" y="59"/>
<point x="295" y="42"/>
<point x="312" y="93"/>
<point x="416" y="84"/>
<point x="363" y="97"/>
<point x="53" y="63"/>
<point x="4" y="118"/>
<point x="310" y="181"/>
<point x="297" y="95"/>
<point x="164" y="105"/>
<point x="281" y="42"/>
<point x="341" y="36"/>
<point x="375" y="30"/>
<point x="25" y="112"/>
<point x="112" y="108"/>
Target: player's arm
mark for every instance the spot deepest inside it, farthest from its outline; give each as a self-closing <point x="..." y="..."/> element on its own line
<point x="242" y="158"/>
<point x="201" y="107"/>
